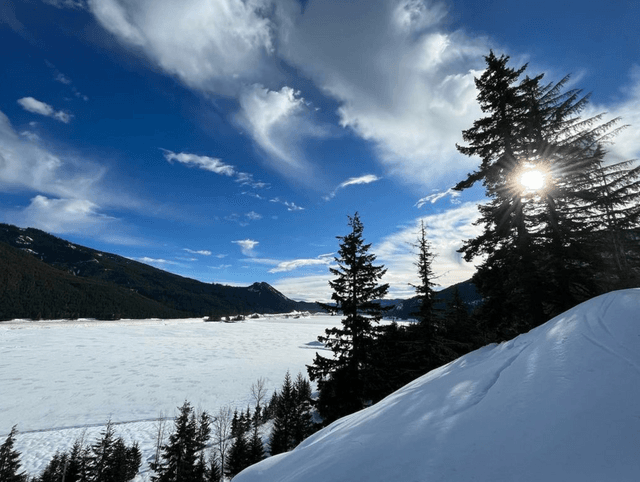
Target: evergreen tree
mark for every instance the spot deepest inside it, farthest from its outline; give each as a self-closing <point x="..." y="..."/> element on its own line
<point x="282" y="439"/>
<point x="536" y="262"/>
<point x="214" y="472"/>
<point x="181" y="454"/>
<point x="345" y="381"/>
<point x="426" y="313"/>
<point x="255" y="448"/>
<point x="238" y="458"/>
<point x="303" y="421"/>
<point x="101" y="455"/>
<point x="612" y="197"/>
<point x="10" y="460"/>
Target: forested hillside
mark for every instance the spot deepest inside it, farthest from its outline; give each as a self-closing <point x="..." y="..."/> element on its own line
<point x="125" y="288"/>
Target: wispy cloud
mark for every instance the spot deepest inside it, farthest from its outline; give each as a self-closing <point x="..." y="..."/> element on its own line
<point x="278" y="121"/>
<point x="206" y="163"/>
<point x="354" y="181"/>
<point x="63" y="79"/>
<point x="305" y="288"/>
<point x="37" y="107"/>
<point x="202" y="252"/>
<point x="291" y="206"/>
<point x="436" y="196"/>
<point x="246" y="179"/>
<point x="406" y="82"/>
<point x="284" y="266"/>
<point x="78" y="216"/>
<point x="217" y="46"/>
<point x="247" y="246"/>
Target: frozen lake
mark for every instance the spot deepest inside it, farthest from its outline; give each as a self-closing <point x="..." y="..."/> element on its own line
<point x="58" y="377"/>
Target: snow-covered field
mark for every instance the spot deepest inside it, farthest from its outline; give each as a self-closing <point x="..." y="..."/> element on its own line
<point x="60" y="379"/>
<point x="558" y="404"/>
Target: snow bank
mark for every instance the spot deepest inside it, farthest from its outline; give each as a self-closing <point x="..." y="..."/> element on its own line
<point x="560" y="403"/>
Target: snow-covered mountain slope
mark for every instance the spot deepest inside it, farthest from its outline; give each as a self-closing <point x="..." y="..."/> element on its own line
<point x="560" y="403"/>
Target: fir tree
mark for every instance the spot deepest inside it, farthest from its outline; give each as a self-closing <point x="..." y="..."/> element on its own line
<point x="536" y="262"/>
<point x="345" y="381"/>
<point x="238" y="458"/>
<point x="426" y="313"/>
<point x="214" y="472"/>
<point x="181" y="454"/>
<point x="10" y="460"/>
<point x="255" y="448"/>
<point x="282" y="439"/>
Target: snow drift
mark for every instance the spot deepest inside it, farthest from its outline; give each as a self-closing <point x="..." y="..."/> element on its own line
<point x="560" y="403"/>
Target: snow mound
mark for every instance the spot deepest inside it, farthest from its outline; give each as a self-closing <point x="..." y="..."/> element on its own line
<point x="560" y="403"/>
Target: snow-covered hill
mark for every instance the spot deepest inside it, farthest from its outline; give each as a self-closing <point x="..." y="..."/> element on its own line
<point x="560" y="403"/>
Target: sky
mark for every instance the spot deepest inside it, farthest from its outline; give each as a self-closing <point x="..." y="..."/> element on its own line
<point x="229" y="140"/>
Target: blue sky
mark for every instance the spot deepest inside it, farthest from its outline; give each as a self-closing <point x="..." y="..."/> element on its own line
<point x="228" y="140"/>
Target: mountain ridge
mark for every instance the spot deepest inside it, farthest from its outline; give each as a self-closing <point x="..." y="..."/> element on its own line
<point x="162" y="294"/>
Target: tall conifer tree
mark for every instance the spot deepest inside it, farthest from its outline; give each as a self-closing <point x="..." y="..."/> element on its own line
<point x="345" y="380"/>
<point x="536" y="262"/>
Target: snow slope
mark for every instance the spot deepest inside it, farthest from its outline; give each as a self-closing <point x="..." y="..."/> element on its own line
<point x="560" y="403"/>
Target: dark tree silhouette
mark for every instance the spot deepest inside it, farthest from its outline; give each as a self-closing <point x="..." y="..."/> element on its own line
<point x="344" y="381"/>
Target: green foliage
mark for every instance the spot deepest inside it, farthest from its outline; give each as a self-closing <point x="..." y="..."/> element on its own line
<point x="181" y="455"/>
<point x="537" y="258"/>
<point x="108" y="459"/>
<point x="344" y="381"/>
<point x="10" y="460"/>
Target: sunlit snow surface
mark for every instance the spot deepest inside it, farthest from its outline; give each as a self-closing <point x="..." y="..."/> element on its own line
<point x="56" y="378"/>
<point x="560" y="403"/>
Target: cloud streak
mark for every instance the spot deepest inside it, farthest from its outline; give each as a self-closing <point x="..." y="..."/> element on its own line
<point x="37" y="107"/>
<point x="202" y="252"/>
<point x="286" y="266"/>
<point x="206" y="163"/>
<point x="354" y="181"/>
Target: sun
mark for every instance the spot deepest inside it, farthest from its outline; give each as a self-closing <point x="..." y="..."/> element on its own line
<point x="532" y="180"/>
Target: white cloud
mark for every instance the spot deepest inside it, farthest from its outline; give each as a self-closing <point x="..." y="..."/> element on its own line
<point x="626" y="145"/>
<point x="446" y="232"/>
<point x="435" y="197"/>
<point x="202" y="162"/>
<point x="26" y="165"/>
<point x="354" y="181"/>
<point x="404" y="83"/>
<point x="37" y="107"/>
<point x="283" y="266"/>
<point x="247" y="246"/>
<point x="213" y="45"/>
<point x="277" y="121"/>
<point x="291" y="206"/>
<point x="253" y="216"/>
<point x="202" y="252"/>
<point x="62" y="216"/>
<point x="305" y="288"/>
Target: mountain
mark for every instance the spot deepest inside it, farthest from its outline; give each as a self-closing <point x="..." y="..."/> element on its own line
<point x="404" y="309"/>
<point x="558" y="404"/>
<point x="159" y="293"/>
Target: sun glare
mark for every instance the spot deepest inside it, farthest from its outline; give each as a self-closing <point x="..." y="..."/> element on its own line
<point x="532" y="180"/>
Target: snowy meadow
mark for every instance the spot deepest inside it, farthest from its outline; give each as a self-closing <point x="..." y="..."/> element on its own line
<point x="65" y="379"/>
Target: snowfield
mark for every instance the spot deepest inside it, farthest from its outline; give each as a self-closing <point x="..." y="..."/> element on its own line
<point x="560" y="403"/>
<point x="61" y="379"/>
